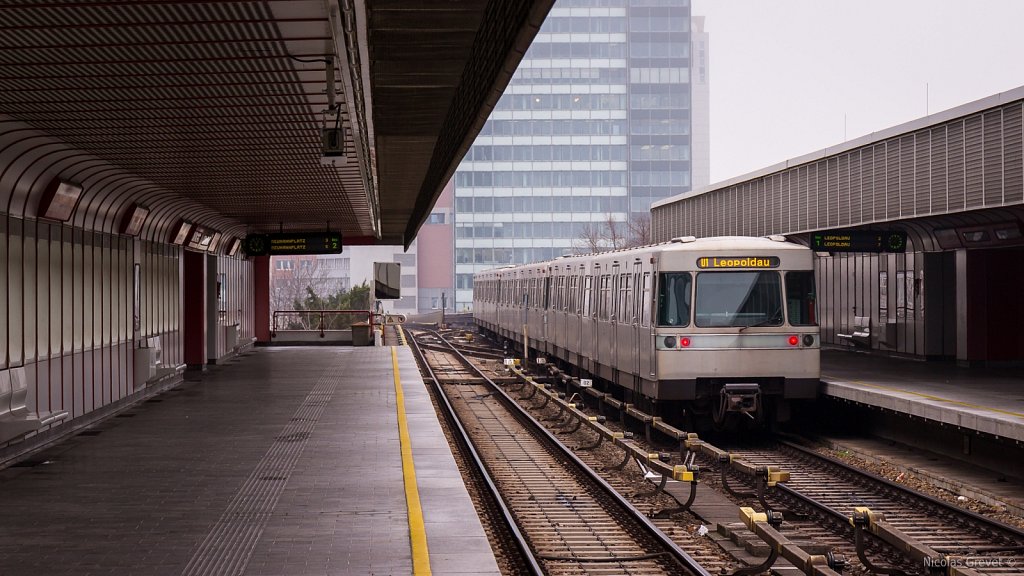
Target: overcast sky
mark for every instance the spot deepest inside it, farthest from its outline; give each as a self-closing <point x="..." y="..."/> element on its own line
<point x="784" y="73"/>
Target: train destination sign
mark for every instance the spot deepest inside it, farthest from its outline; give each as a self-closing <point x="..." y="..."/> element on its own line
<point x="859" y="241"/>
<point x="719" y="262"/>
<point x="294" y="243"/>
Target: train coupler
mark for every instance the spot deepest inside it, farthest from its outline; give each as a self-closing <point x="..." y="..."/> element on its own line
<point x="741" y="398"/>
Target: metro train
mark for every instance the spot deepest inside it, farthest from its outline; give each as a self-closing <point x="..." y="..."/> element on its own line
<point x="701" y="328"/>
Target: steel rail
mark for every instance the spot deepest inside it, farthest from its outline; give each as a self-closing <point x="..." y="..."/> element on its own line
<point x="972" y="515"/>
<point x="467" y="445"/>
<point x="678" y="555"/>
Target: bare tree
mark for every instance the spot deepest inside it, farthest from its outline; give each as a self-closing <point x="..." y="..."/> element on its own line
<point x="291" y="285"/>
<point x="613" y="234"/>
<point x="589" y="240"/>
<point x="638" y="228"/>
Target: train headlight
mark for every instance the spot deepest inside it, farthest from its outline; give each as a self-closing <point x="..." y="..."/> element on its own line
<point x="670" y="341"/>
<point x="808" y="339"/>
<point x="794" y="340"/>
<point x="684" y="342"/>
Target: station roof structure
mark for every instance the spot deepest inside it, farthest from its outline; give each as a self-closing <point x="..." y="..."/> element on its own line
<point x="214" y="110"/>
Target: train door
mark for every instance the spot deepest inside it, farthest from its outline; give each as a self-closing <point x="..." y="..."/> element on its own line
<point x="625" y="333"/>
<point x="545" y="308"/>
<point x="575" y="316"/>
<point x="632" y="300"/>
<point x="612" y="358"/>
<point x="645" y="333"/>
<point x="588" y="328"/>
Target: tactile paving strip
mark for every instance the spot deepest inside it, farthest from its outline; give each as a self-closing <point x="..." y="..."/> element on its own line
<point x="227" y="548"/>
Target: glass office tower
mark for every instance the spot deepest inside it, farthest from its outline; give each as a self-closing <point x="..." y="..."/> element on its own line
<point x="595" y="125"/>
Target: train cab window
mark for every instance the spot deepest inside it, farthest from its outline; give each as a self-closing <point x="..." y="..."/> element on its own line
<point x="738" y="299"/>
<point x="674" y="299"/>
<point x="801" y="301"/>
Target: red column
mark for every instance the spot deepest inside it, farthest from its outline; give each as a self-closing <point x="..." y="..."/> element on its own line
<point x="194" y="317"/>
<point x="261" y="290"/>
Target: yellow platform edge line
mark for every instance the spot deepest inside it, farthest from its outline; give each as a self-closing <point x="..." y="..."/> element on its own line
<point x="926" y="396"/>
<point x="417" y="530"/>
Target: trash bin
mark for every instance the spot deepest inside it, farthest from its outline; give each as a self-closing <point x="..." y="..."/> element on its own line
<point x="361" y="334"/>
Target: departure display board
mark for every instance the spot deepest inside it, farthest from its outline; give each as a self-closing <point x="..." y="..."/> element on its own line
<point x="859" y="241"/>
<point x="721" y="262"/>
<point x="295" y="243"/>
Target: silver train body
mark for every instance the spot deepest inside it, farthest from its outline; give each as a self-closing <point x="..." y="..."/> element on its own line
<point x="722" y="323"/>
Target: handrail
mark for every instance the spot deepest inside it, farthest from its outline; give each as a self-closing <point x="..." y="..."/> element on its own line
<point x="324" y="320"/>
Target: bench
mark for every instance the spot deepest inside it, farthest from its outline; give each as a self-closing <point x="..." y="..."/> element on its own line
<point x="15" y="418"/>
<point x="861" y="332"/>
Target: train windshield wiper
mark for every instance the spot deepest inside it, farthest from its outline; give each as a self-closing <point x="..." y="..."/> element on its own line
<point x="773" y="320"/>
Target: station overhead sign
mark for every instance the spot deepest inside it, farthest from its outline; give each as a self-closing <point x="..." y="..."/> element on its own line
<point x="859" y="241"/>
<point x="292" y="243"/>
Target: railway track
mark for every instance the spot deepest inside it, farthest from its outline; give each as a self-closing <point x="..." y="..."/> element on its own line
<point x="900" y="531"/>
<point x="924" y="535"/>
<point x="568" y="519"/>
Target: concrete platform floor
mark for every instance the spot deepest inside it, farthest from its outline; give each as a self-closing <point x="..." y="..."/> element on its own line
<point x="282" y="461"/>
<point x="989" y="401"/>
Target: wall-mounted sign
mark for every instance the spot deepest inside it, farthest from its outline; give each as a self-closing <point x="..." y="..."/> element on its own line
<point x="295" y="243"/>
<point x="133" y="220"/>
<point x="214" y="242"/>
<point x="719" y="262"/>
<point x="234" y="246"/>
<point x="180" y="232"/>
<point x="201" y="238"/>
<point x="59" y="200"/>
<point x="859" y="241"/>
<point x="387" y="280"/>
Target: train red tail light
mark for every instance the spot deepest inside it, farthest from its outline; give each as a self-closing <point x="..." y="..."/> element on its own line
<point x="684" y="342"/>
<point x="793" y="340"/>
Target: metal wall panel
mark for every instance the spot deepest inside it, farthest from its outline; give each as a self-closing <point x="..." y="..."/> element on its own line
<point x="3" y="293"/>
<point x="957" y="166"/>
<point x="938" y="169"/>
<point x="28" y="277"/>
<point x="992" y="164"/>
<point x="15" y="293"/>
<point x="878" y="196"/>
<point x="974" y="140"/>
<point x="922" y="169"/>
<point x="42" y="291"/>
<point x="966" y="163"/>
<point x="892" y="180"/>
<point x="1013" y="163"/>
<point x="906" y="177"/>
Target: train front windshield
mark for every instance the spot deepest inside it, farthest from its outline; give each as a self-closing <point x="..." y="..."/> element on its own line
<point x="738" y="299"/>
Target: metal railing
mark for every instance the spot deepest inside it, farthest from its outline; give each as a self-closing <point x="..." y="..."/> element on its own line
<point x="319" y="320"/>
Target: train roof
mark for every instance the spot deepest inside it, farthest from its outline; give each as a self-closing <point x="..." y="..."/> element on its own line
<point x="682" y="244"/>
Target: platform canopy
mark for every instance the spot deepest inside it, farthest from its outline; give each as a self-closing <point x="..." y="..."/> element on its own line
<point x="214" y="110"/>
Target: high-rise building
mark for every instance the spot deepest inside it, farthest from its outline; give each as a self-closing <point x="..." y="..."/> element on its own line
<point x="596" y="124"/>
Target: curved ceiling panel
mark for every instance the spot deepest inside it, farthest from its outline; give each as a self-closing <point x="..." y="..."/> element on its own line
<point x="223" y="103"/>
<point x="30" y="160"/>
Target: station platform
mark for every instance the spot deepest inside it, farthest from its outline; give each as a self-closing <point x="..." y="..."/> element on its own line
<point x="985" y="400"/>
<point x="281" y="461"/>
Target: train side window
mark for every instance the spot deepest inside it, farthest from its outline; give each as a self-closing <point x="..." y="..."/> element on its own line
<point x="626" y="292"/>
<point x="645" y="301"/>
<point x="801" y="301"/>
<point x="588" y="282"/>
<point x="674" y="297"/>
<point x="604" y="297"/>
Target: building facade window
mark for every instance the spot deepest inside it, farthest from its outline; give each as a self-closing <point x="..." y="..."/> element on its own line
<point x="572" y="145"/>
